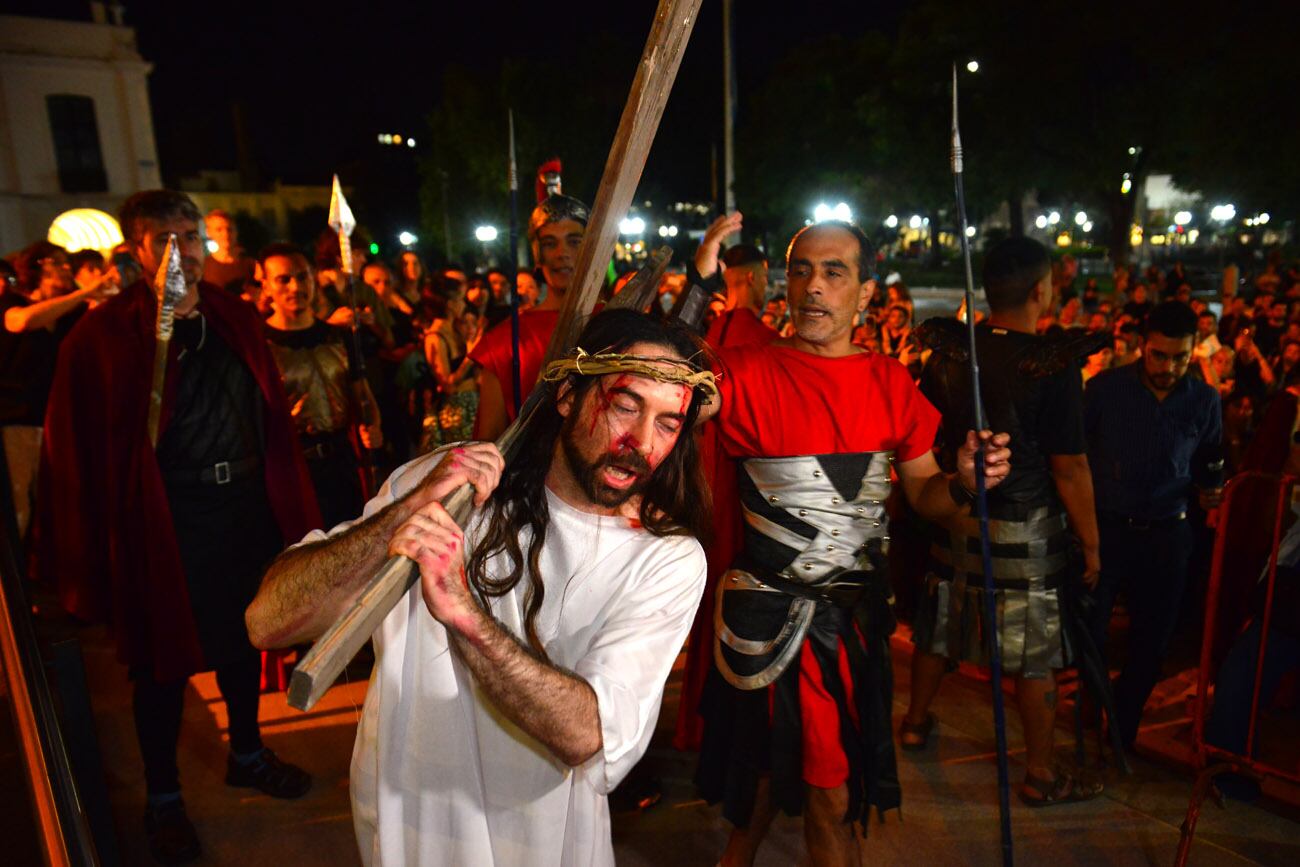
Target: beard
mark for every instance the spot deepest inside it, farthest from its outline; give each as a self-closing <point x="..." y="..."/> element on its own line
<point x="589" y="474"/>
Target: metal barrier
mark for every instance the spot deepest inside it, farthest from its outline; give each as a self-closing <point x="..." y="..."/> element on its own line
<point x="1249" y="532"/>
<point x="62" y="823"/>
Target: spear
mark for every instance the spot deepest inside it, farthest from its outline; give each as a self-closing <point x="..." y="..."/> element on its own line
<point x="342" y="222"/>
<point x="981" y="500"/>
<point x="513" y="175"/>
<point x="169" y="286"/>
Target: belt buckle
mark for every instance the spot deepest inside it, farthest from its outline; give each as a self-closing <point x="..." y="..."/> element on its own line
<point x="222" y="472"/>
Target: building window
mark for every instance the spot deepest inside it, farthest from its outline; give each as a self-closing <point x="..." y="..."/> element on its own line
<point x="76" y="144"/>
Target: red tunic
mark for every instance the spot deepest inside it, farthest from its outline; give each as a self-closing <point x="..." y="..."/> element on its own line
<point x="739" y="327"/>
<point x="494" y="351"/>
<point x="782" y="402"/>
<point x="105" y="536"/>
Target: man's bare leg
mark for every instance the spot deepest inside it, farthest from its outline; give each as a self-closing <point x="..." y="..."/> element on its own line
<point x="928" y="670"/>
<point x="743" y="844"/>
<point x="1036" y="697"/>
<point x="831" y="841"/>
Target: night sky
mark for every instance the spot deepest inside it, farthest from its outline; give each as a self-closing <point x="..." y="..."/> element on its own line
<point x="317" y="86"/>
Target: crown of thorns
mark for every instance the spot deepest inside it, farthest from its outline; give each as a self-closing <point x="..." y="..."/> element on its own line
<point x="657" y="367"/>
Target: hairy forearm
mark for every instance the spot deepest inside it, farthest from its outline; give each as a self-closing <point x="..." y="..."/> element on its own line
<point x="556" y="707"/>
<point x="1073" y="481"/>
<point x="307" y="588"/>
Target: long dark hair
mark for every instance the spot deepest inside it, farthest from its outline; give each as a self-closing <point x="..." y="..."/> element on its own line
<point x="675" y="501"/>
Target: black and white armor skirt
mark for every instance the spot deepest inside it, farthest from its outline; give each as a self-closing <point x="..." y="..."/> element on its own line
<point x="1031" y="563"/>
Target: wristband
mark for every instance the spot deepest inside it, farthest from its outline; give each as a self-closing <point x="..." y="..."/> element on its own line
<point x="958" y="492"/>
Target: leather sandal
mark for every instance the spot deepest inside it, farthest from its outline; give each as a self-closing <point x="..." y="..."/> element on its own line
<point x="1065" y="789"/>
<point x="920" y="734"/>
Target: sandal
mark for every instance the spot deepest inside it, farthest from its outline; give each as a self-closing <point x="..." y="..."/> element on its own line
<point x="1065" y="789"/>
<point x="919" y="734"/>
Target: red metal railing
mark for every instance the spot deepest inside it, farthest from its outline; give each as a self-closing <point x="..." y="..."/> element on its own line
<point x="1252" y="502"/>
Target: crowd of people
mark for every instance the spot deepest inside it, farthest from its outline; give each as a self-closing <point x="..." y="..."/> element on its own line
<point x="296" y="383"/>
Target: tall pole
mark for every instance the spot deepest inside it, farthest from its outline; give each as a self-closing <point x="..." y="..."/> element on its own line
<point x="981" y="499"/>
<point x="512" y="173"/>
<point x="728" y="112"/>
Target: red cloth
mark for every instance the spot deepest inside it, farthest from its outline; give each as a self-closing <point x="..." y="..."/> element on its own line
<point x="106" y="537"/>
<point x="739" y="327"/>
<point x="782" y="402"/>
<point x="494" y="351"/>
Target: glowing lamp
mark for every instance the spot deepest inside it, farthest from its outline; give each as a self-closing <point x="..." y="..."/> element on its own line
<point x="84" y="229"/>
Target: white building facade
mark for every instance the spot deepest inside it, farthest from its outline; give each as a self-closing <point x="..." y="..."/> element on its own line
<point x="75" y="124"/>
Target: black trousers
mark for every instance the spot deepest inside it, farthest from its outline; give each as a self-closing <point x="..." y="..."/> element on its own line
<point x="1149" y="566"/>
<point x="158" y="718"/>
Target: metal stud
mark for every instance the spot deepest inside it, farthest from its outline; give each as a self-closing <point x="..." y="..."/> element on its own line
<point x="774" y="499"/>
<point x="875" y="523"/>
<point x="835" y="501"/>
<point x="835" y="532"/>
<point x="803" y="513"/>
<point x="830" y="547"/>
<point x="807" y="567"/>
<point x="861" y="511"/>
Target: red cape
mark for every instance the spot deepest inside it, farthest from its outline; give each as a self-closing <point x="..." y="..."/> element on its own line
<point x="739" y="327"/>
<point x="106" y="539"/>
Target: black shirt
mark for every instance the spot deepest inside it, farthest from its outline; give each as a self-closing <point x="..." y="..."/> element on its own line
<point x="1145" y="453"/>
<point x="1043" y="413"/>
<point x="27" y="364"/>
<point x="218" y="411"/>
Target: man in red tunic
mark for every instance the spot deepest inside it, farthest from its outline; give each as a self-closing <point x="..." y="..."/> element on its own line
<point x="797" y="708"/>
<point x="167" y="544"/>
<point x="555" y="232"/>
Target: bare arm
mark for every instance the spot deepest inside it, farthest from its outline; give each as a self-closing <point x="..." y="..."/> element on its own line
<point x="492" y="419"/>
<point x="308" y="587"/>
<point x="45" y="313"/>
<point x="555" y="706"/>
<point x="1073" y="481"/>
<point x="929" y="490"/>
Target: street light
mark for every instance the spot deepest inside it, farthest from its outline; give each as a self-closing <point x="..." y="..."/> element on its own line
<point x="1041" y="222"/>
<point x="631" y="226"/>
<point x="1054" y="217"/>
<point x="406" y="239"/>
<point x="840" y="211"/>
<point x="1262" y="218"/>
<point x="1087" y="226"/>
<point x="486" y="234"/>
<point x="1182" y="218"/>
<point x="1080" y="218"/>
<point x="1223" y="213"/>
<point x="973" y="66"/>
<point x="970" y="231"/>
<point x="891" y="221"/>
<point x="915" y="221"/>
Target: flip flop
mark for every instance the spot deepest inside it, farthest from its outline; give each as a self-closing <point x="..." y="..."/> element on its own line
<point x="920" y="730"/>
<point x="1065" y="789"/>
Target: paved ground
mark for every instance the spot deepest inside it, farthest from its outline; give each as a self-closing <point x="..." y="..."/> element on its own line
<point x="949" y="813"/>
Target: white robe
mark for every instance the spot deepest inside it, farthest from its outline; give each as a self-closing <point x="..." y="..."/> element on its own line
<point x="440" y="776"/>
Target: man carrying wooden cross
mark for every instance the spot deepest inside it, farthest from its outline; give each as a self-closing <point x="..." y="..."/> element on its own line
<point x="520" y="678"/>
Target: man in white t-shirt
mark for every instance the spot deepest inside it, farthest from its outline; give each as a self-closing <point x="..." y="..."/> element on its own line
<point x="521" y="678"/>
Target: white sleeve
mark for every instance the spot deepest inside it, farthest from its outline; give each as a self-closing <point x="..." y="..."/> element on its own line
<point x="629" y="659"/>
